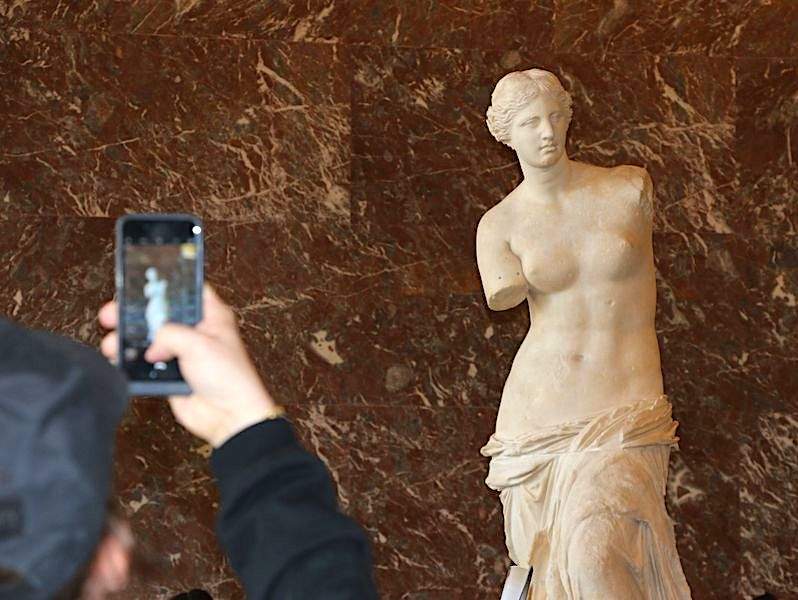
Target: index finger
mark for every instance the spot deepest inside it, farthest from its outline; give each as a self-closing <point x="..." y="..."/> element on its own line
<point x="215" y="309"/>
<point x="217" y="316"/>
<point x="109" y="315"/>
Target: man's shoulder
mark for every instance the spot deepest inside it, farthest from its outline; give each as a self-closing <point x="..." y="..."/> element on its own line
<point x="37" y="350"/>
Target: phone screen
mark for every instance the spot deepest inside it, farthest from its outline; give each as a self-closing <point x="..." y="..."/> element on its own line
<point x="159" y="285"/>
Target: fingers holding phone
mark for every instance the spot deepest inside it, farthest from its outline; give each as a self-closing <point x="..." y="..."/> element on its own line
<point x="229" y="395"/>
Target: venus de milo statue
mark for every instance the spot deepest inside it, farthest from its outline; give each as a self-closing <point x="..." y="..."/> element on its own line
<point x="584" y="430"/>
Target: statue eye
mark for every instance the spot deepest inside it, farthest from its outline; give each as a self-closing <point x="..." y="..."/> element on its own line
<point x="555" y="116"/>
<point x="533" y="122"/>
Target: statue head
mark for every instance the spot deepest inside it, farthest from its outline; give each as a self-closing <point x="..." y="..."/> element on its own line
<point x="151" y="273"/>
<point x="530" y="112"/>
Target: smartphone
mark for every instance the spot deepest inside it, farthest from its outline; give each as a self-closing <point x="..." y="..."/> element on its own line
<point x="159" y="279"/>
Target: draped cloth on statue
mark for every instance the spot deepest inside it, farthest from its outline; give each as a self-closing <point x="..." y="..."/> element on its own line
<point x="584" y="504"/>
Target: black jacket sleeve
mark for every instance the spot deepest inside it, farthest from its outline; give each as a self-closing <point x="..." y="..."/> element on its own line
<point x="279" y="520"/>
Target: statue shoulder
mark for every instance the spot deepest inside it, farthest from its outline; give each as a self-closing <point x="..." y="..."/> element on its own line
<point x="496" y="219"/>
<point x="639" y="185"/>
<point x="491" y="224"/>
<point x="631" y="174"/>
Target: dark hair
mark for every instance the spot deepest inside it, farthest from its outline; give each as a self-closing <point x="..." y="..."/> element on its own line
<point x="74" y="588"/>
<point x="8" y="577"/>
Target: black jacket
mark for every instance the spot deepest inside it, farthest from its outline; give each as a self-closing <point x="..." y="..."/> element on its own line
<point x="279" y="521"/>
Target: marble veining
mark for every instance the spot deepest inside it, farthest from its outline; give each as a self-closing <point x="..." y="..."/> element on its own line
<point x="338" y="153"/>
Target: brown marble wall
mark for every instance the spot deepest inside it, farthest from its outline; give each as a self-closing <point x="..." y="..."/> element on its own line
<point x="338" y="153"/>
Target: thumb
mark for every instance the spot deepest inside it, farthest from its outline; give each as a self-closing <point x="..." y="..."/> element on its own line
<point x="173" y="340"/>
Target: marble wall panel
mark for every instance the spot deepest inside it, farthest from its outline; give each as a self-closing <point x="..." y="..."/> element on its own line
<point x="766" y="147"/>
<point x="671" y="114"/>
<point x="414" y="478"/>
<point x="481" y="23"/>
<point x="717" y="306"/>
<point x="727" y="352"/>
<point x="700" y="500"/>
<point x="768" y="497"/>
<point x="733" y="28"/>
<point x="47" y="280"/>
<point x="103" y="123"/>
<point x="338" y="153"/>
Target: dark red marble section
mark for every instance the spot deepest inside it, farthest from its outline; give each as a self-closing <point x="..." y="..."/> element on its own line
<point x="419" y="496"/>
<point x="732" y="28"/>
<point x="685" y="125"/>
<point x="767" y="501"/>
<point x="479" y="23"/>
<point x="716" y="296"/>
<point x="726" y="352"/>
<point x="338" y="154"/>
<point x="422" y="154"/>
<point x="143" y="122"/>
<point x="766" y="147"/>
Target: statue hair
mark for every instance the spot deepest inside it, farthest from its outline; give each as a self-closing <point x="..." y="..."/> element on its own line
<point x="514" y="91"/>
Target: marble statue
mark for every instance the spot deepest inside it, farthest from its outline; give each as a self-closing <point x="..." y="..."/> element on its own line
<point x="157" y="311"/>
<point x="584" y="430"/>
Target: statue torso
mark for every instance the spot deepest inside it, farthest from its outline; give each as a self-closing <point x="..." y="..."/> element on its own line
<point x="587" y="258"/>
<point x="588" y="236"/>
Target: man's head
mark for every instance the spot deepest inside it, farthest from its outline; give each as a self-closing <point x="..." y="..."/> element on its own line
<point x="60" y="405"/>
<point x="530" y="112"/>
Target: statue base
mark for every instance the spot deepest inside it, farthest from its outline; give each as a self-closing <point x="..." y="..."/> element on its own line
<point x="516" y="587"/>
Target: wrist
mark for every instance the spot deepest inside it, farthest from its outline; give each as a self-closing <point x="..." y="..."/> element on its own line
<point x="242" y="422"/>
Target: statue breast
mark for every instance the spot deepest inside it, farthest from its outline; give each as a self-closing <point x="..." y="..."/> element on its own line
<point x="553" y="261"/>
<point x="611" y="255"/>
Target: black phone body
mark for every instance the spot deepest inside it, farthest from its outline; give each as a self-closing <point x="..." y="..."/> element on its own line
<point x="159" y="279"/>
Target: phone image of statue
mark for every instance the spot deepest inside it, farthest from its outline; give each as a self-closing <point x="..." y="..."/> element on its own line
<point x="157" y="311"/>
<point x="159" y="288"/>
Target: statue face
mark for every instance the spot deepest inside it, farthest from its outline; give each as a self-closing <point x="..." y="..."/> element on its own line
<point x="538" y="132"/>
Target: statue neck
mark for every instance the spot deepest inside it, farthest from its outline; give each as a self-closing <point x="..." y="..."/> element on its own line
<point x="546" y="181"/>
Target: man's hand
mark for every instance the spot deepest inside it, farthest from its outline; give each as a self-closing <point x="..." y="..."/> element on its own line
<point x="229" y="395"/>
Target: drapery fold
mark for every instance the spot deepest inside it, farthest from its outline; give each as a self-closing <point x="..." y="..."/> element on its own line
<point x="592" y="492"/>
